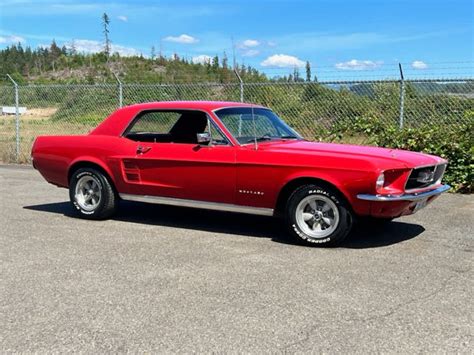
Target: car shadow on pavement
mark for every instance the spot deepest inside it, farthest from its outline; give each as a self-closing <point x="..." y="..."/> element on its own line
<point x="362" y="236"/>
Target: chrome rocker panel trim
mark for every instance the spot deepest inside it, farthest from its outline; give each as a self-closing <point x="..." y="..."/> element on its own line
<point x="405" y="197"/>
<point x="198" y="204"/>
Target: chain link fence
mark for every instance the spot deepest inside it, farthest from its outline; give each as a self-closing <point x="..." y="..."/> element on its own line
<point x="318" y="110"/>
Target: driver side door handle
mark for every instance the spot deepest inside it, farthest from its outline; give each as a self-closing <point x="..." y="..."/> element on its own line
<point x="142" y="150"/>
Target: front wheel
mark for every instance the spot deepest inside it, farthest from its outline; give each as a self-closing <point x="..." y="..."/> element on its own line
<point x="317" y="215"/>
<point x="91" y="194"/>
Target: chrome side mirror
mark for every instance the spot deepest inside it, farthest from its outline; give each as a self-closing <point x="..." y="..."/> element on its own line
<point x="203" y="138"/>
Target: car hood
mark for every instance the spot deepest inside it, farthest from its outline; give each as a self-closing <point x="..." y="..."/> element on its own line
<point x="406" y="158"/>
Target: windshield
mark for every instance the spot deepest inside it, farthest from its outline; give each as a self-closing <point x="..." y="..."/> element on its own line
<point x="261" y="124"/>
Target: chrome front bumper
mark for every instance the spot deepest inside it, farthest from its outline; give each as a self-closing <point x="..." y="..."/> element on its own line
<point x="405" y="197"/>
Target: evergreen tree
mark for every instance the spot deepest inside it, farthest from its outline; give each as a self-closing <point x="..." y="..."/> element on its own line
<point x="308" y="71"/>
<point x="215" y="63"/>
<point x="54" y="53"/>
<point x="224" y="61"/>
<point x="105" y="24"/>
<point x="72" y="48"/>
<point x="296" y="74"/>
<point x="153" y="54"/>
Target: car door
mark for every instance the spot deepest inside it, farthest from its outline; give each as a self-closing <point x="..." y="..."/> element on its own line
<point x="168" y="161"/>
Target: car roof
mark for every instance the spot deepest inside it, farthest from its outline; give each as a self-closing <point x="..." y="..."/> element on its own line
<point x="203" y="105"/>
<point x="116" y="123"/>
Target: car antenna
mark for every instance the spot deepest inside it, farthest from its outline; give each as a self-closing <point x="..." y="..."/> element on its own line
<point x="254" y="129"/>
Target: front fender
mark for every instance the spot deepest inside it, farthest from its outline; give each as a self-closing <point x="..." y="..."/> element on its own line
<point x="347" y="182"/>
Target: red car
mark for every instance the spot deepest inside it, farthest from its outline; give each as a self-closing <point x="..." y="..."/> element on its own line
<point x="235" y="157"/>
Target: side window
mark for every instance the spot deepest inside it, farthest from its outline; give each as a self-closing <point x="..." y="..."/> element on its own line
<point x="157" y="122"/>
<point x="180" y="126"/>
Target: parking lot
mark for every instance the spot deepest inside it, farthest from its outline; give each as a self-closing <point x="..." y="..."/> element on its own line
<point x="169" y="279"/>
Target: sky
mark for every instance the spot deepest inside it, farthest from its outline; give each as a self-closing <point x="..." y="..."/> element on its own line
<point x="340" y="39"/>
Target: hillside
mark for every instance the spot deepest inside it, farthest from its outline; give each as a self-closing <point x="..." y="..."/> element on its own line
<point x="64" y="65"/>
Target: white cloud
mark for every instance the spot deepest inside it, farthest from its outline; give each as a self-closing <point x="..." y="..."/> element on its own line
<point x="89" y="46"/>
<point x="11" y="39"/>
<point x="248" y="48"/>
<point x="201" y="59"/>
<point x="282" y="61"/>
<point x="124" y="51"/>
<point x="123" y="18"/>
<point x="184" y="38"/>
<point x="355" y="64"/>
<point x="418" y="64"/>
<point x="250" y="53"/>
<point x="250" y="43"/>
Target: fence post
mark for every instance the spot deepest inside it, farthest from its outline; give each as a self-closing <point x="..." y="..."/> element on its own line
<point x="120" y="93"/>
<point x="17" y="119"/>
<point x="241" y="85"/>
<point x="402" y="96"/>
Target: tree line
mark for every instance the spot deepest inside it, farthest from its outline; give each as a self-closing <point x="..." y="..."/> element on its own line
<point x="54" y="63"/>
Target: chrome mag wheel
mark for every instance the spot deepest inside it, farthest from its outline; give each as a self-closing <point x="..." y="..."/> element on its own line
<point x="317" y="216"/>
<point x="88" y="193"/>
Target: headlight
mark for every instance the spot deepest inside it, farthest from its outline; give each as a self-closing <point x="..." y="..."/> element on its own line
<point x="391" y="182"/>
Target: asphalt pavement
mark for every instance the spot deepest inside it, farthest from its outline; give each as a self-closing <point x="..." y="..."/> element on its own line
<point x="169" y="279"/>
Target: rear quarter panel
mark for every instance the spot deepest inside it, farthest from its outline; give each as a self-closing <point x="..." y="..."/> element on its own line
<point x="53" y="156"/>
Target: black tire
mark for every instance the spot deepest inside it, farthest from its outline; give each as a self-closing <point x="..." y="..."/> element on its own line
<point x="106" y="203"/>
<point x="338" y="213"/>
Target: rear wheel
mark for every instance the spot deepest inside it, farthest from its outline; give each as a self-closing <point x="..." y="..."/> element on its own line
<point x="317" y="215"/>
<point x="92" y="194"/>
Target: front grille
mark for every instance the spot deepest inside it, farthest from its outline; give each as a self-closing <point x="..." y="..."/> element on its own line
<point x="425" y="176"/>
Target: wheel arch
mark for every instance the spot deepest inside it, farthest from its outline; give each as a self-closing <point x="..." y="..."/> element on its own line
<point x="90" y="163"/>
<point x="296" y="182"/>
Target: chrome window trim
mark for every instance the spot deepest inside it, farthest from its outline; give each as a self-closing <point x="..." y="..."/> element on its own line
<point x="262" y="211"/>
<point x="210" y="118"/>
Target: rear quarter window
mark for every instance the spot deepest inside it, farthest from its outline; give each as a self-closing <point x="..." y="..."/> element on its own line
<point x="154" y="122"/>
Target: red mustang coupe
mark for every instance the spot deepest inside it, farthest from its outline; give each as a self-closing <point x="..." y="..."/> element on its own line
<point x="235" y="157"/>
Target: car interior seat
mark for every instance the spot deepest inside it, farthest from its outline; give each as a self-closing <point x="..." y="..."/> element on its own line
<point x="188" y="126"/>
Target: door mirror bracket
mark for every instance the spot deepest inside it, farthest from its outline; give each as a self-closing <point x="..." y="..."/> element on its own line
<point x="204" y="138"/>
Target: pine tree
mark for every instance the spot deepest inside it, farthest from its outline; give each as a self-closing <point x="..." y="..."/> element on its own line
<point x="54" y="53"/>
<point x="215" y="63"/>
<point x="296" y="74"/>
<point x="72" y="48"/>
<point x="224" y="61"/>
<point x="153" y="54"/>
<point x="308" y="71"/>
<point x="105" y="24"/>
